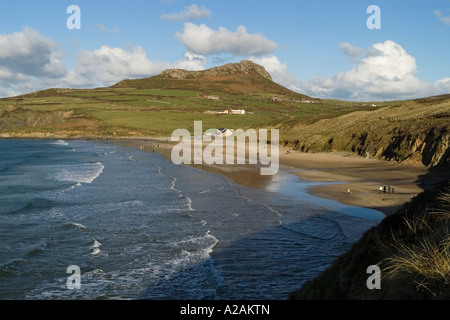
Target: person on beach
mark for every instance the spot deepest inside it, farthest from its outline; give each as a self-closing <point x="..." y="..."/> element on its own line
<point x="348" y="191"/>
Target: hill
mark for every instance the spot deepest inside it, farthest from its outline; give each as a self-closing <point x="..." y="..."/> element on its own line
<point x="244" y="77"/>
<point x="158" y="105"/>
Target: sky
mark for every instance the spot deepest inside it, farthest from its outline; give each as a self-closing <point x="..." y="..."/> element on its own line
<point x="356" y="50"/>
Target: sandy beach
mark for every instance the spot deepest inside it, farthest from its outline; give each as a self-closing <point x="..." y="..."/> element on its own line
<point x="355" y="180"/>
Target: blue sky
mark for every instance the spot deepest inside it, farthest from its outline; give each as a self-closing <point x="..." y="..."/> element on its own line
<point x="322" y="48"/>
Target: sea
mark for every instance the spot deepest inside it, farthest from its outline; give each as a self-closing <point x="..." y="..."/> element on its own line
<point x="86" y="220"/>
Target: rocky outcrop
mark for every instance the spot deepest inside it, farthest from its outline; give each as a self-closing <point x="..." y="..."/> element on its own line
<point x="245" y="66"/>
<point x="429" y="148"/>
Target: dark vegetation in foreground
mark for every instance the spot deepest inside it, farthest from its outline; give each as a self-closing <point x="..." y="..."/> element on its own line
<point x="411" y="248"/>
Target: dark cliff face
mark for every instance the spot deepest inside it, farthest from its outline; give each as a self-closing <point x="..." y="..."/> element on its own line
<point x="408" y="133"/>
<point x="430" y="148"/>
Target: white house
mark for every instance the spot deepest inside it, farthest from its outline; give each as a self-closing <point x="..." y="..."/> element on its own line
<point x="239" y="111"/>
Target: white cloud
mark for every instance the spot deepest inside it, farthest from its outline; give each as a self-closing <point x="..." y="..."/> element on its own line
<point x="193" y="12"/>
<point x="353" y="52"/>
<point x="387" y="70"/>
<point x="278" y="71"/>
<point x="202" y="40"/>
<point x="108" y="65"/>
<point x="29" y="53"/>
<point x="28" y="62"/>
<point x="384" y="72"/>
<point x="191" y="61"/>
<point x="444" y="19"/>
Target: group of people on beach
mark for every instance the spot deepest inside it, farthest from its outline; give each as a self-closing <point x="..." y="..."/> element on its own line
<point x="382" y="189"/>
<point x="389" y="189"/>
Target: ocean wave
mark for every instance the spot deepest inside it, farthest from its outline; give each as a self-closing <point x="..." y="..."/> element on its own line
<point x="189" y="204"/>
<point x="96" y="248"/>
<point x="36" y="203"/>
<point x="202" y="245"/>
<point x="96" y="252"/>
<point x="78" y="226"/>
<point x="188" y="200"/>
<point x="60" y="143"/>
<point x="96" y="244"/>
<point x="78" y="173"/>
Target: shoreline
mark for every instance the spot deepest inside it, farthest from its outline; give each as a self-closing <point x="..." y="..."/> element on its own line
<point x="339" y="172"/>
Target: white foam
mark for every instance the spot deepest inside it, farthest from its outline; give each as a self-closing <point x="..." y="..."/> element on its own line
<point x="96" y="252"/>
<point x="96" y="248"/>
<point x="189" y="204"/>
<point x="78" y="225"/>
<point x="96" y="244"/>
<point x="172" y="187"/>
<point x="61" y="143"/>
<point x="79" y="173"/>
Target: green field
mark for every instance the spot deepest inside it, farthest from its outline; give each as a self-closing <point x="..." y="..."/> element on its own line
<point x="151" y="112"/>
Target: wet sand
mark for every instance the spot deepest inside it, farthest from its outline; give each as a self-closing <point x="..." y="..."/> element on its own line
<point x="360" y="179"/>
<point x="355" y="180"/>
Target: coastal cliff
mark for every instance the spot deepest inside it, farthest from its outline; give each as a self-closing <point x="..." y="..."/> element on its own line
<point x="415" y="133"/>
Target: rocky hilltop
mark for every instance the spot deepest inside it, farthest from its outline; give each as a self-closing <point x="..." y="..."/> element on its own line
<point x="232" y="78"/>
<point x="245" y="66"/>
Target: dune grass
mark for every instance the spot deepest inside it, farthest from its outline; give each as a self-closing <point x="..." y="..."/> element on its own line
<point x="420" y="254"/>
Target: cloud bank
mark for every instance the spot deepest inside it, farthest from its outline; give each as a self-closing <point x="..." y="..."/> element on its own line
<point x="383" y="72"/>
<point x="29" y="61"/>
<point x="107" y="65"/>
